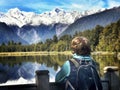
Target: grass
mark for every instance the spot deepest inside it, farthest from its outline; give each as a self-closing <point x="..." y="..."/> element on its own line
<point x="33" y="53"/>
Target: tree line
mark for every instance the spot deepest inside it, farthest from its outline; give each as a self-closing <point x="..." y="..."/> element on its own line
<point x="101" y="39"/>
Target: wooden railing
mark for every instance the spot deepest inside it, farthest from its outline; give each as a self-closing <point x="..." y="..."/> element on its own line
<point x="110" y="81"/>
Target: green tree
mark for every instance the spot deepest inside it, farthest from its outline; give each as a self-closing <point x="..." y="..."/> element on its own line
<point x="110" y="37"/>
<point x="55" y="39"/>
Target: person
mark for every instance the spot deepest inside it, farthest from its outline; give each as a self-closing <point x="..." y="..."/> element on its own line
<point x="84" y="78"/>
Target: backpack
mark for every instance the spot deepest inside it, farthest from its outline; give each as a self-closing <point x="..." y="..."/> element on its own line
<point x="83" y="76"/>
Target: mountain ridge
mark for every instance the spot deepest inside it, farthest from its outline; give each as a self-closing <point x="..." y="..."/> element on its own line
<point x="20" y="18"/>
<point x="7" y="34"/>
<point x="40" y="32"/>
<point x="89" y="22"/>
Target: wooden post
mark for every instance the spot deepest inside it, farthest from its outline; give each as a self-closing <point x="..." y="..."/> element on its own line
<point x="42" y="79"/>
<point x="112" y="75"/>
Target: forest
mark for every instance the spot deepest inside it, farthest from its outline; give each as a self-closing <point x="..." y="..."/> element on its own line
<point x="101" y="39"/>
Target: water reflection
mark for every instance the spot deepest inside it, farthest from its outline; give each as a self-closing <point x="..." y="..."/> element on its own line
<point x="13" y="68"/>
<point x="106" y="60"/>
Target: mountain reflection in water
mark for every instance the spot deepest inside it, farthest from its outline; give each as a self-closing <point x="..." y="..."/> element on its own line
<point x="24" y="67"/>
<point x="14" y="68"/>
<point x="26" y="70"/>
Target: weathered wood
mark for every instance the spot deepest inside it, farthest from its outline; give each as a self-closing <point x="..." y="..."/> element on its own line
<point x="111" y="81"/>
<point x="56" y="86"/>
<point x="111" y="73"/>
<point x="19" y="87"/>
<point x="42" y="80"/>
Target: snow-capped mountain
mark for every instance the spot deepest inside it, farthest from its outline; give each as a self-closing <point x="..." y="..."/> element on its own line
<point x="29" y="27"/>
<point x="7" y="34"/>
<point x="20" y="18"/>
<point x="89" y="22"/>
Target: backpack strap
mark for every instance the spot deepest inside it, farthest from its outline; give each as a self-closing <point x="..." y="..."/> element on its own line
<point x="81" y="62"/>
<point x="69" y="84"/>
<point x="94" y="78"/>
<point x="77" y="65"/>
<point x="75" y="62"/>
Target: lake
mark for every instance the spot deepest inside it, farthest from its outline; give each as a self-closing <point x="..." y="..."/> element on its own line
<point x="21" y="69"/>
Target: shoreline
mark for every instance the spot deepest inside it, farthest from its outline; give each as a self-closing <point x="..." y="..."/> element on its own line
<point x="3" y="54"/>
<point x="33" y="53"/>
<point x="51" y="53"/>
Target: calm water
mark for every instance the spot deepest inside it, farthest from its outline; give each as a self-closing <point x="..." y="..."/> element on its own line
<point x="15" y="68"/>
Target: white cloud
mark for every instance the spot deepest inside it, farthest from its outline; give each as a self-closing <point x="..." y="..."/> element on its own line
<point x="47" y="5"/>
<point x="40" y="6"/>
<point x="113" y="3"/>
<point x="82" y="5"/>
<point x="77" y="6"/>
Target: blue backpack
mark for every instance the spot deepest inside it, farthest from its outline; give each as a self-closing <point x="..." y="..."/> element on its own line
<point x="83" y="76"/>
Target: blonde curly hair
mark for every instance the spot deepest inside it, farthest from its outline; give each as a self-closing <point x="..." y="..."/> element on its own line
<point x="81" y="46"/>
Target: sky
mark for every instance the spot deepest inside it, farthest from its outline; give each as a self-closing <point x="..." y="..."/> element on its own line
<point x="40" y="6"/>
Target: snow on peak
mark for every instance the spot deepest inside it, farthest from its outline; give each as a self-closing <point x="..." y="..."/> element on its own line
<point x="57" y="10"/>
<point x="14" y="11"/>
<point x="20" y="18"/>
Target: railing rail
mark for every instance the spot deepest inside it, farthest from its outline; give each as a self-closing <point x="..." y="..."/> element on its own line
<point x="110" y="81"/>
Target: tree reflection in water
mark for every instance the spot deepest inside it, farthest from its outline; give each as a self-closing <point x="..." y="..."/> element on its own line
<point x="106" y="60"/>
<point x="13" y="68"/>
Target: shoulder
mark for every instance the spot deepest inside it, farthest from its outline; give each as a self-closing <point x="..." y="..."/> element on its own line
<point x="66" y="64"/>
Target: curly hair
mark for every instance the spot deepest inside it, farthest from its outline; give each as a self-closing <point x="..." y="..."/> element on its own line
<point x="81" y="46"/>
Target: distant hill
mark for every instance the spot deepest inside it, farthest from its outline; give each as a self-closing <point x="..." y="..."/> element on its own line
<point x="88" y="22"/>
<point x="7" y="34"/>
<point x="35" y="34"/>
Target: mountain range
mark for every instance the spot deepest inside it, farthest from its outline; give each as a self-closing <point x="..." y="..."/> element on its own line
<point x="29" y="27"/>
<point x="20" y="18"/>
<point x="91" y="21"/>
<point x="7" y="34"/>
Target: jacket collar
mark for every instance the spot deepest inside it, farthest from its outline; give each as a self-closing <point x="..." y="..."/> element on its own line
<point x="80" y="57"/>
